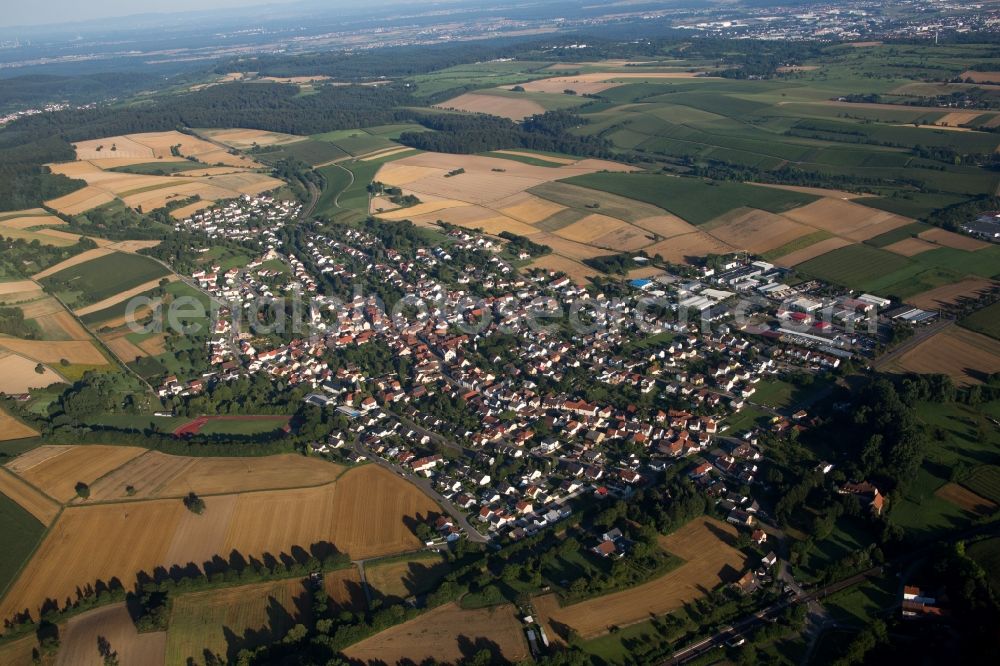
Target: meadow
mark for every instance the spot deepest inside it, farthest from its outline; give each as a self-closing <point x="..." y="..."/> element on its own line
<point x="21" y="534"/>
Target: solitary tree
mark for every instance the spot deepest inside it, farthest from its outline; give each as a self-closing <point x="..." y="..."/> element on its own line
<point x="82" y="490"/>
<point x="194" y="503"/>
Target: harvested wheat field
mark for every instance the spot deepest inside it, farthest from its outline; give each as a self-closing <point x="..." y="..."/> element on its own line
<point x="29" y="222"/>
<point x="815" y="191"/>
<point x="19" y="287"/>
<point x="81" y="258"/>
<point x="447" y="634"/>
<point x="18" y="375"/>
<point x="965" y="499"/>
<point x="365" y="514"/>
<point x="385" y="152"/>
<point x="226" y="620"/>
<point x="154" y="474"/>
<point x="36" y="456"/>
<point x="207" y="476"/>
<point x="20" y="651"/>
<point x="52" y="351"/>
<point x="964" y="356"/>
<point x="706" y="545"/>
<point x="38" y="504"/>
<point x="527" y="208"/>
<point x="82" y="200"/>
<point x="584" y="84"/>
<point x="505" y="107"/>
<point x="956" y="118"/>
<point x="161" y="144"/>
<point x="125" y="295"/>
<point x="247" y="138"/>
<point x="687" y="247"/>
<point x="812" y="251"/>
<point x="11" y="428"/>
<point x="754" y="230"/>
<point x="576" y="271"/>
<point x="58" y="476"/>
<point x="479" y="184"/>
<point x="981" y="77"/>
<point x="910" y="247"/>
<point x="113" y="147"/>
<point x="847" y="219"/>
<point x="79" y="636"/>
<point x="952" y="294"/>
<point x="605" y="232"/>
<point x="190" y="209"/>
<point x="951" y="239"/>
<point x="370" y="504"/>
<point x="133" y="245"/>
<point x="399" y="579"/>
<point x="61" y="325"/>
<point x="568" y="248"/>
<point x="122" y="347"/>
<point x="546" y="158"/>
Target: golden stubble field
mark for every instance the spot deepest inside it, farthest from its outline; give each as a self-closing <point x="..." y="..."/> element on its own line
<point x="496" y="105"/>
<point x="963" y="355"/>
<point x="706" y="545"/>
<point x="149" y="192"/>
<point x="447" y="634"/>
<point x="367" y="512"/>
<point x="223" y="621"/>
<point x="18" y="373"/>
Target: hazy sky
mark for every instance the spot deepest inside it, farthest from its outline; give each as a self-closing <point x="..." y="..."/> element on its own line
<point x="36" y="12"/>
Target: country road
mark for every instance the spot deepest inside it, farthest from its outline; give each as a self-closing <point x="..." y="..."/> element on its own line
<point x="918" y="337"/>
<point x="425" y="485"/>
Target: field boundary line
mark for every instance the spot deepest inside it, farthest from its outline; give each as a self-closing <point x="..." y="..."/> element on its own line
<point x="33" y="486"/>
<point x="31" y="556"/>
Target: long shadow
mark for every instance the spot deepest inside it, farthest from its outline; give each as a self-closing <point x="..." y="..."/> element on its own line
<point x="470" y="647"/>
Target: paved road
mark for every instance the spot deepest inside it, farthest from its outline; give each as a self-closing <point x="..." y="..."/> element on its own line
<point x="425" y="485"/>
<point x="914" y="340"/>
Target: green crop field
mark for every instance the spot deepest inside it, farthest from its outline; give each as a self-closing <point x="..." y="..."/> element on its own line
<point x="159" y="168"/>
<point x="985" y="482"/>
<point x="21" y="532"/>
<point x="987" y="554"/>
<point x="695" y="200"/>
<point x="856" y="266"/>
<point x="463" y="78"/>
<point x="985" y="321"/>
<point x="335" y="180"/>
<point x="309" y="151"/>
<point x="355" y="142"/>
<point x="105" y="276"/>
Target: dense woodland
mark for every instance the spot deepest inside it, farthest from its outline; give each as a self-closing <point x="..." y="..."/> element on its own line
<point x="481" y="133"/>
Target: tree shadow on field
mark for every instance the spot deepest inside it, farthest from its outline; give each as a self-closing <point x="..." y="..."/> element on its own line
<point x="470" y="647"/>
<point x="278" y="622"/>
<point x="721" y="534"/>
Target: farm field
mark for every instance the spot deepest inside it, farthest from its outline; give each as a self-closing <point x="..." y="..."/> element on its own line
<point x="397" y="579"/>
<point x="154" y="474"/>
<point x="965" y="356"/>
<point x="22" y="532"/>
<point x="506" y="107"/>
<point x="18" y="373"/>
<point x="79" y="639"/>
<point x="228" y="620"/>
<point x="965" y="499"/>
<point x="694" y="200"/>
<point x="58" y="475"/>
<point x="152" y="146"/>
<point x="147" y="191"/>
<point x="12" y="428"/>
<point x="953" y="294"/>
<point x="364" y="513"/>
<point x="96" y="281"/>
<point x="447" y="633"/>
<point x="985" y="321"/>
<point x="35" y="502"/>
<point x="711" y="559"/>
